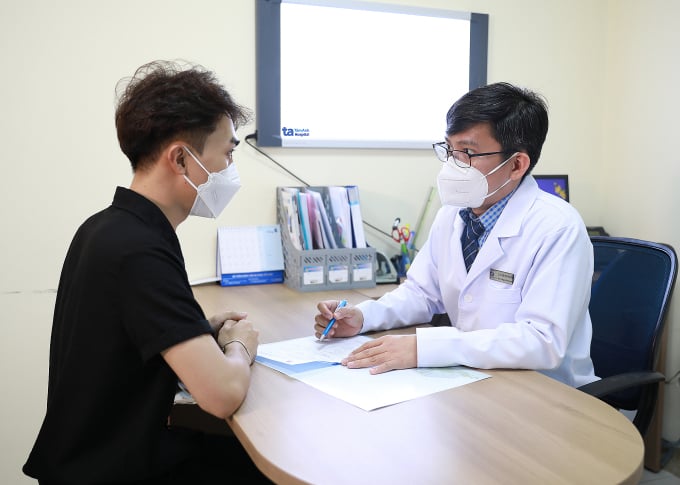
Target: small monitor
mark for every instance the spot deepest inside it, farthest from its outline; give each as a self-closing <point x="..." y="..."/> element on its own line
<point x="554" y="184"/>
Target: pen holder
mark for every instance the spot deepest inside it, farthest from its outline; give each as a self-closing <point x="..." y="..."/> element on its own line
<point x="323" y="269"/>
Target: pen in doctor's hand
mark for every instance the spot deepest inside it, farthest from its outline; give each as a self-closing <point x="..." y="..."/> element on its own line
<point x="332" y="321"/>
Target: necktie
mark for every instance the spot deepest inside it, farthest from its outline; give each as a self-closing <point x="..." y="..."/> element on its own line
<point x="470" y="238"/>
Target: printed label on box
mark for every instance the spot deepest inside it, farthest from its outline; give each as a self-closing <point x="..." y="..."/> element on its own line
<point x="338" y="273"/>
<point x="363" y="272"/>
<point x="312" y="275"/>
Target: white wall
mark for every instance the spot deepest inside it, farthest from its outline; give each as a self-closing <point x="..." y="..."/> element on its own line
<point x="638" y="159"/>
<point x="606" y="67"/>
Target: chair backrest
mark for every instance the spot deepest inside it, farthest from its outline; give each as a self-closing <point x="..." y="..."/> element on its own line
<point x="633" y="282"/>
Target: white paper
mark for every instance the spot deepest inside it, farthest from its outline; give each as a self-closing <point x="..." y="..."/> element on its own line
<point x="310" y="349"/>
<point x="297" y="358"/>
<point x="368" y="391"/>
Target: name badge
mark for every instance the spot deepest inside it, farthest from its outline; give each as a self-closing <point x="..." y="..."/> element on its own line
<point x="501" y="276"/>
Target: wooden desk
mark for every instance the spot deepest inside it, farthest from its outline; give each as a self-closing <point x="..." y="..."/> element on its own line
<point x="517" y="427"/>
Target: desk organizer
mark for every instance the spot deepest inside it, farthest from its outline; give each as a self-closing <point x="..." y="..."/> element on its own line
<point x="324" y="269"/>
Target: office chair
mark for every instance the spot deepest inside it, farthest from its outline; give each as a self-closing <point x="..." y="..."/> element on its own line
<point x="633" y="282"/>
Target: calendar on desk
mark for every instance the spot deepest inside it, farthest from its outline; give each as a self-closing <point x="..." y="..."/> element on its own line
<point x="249" y="255"/>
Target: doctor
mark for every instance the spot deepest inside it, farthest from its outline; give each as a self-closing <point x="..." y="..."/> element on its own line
<point x="523" y="301"/>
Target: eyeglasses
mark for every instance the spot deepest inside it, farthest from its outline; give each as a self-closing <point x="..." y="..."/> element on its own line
<point x="461" y="157"/>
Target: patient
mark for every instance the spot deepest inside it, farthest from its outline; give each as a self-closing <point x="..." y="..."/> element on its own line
<point x="126" y="325"/>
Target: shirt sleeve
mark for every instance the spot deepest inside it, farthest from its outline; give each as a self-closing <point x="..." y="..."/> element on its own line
<point x="159" y="307"/>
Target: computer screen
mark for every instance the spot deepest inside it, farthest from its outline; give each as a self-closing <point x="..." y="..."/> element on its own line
<point x="554" y="184"/>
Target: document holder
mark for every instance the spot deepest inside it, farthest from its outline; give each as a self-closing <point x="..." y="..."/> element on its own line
<point x="323" y="269"/>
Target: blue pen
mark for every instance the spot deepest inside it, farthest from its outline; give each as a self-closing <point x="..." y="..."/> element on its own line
<point x="330" y="324"/>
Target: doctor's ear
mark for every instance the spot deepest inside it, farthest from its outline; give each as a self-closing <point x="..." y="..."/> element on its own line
<point x="520" y="164"/>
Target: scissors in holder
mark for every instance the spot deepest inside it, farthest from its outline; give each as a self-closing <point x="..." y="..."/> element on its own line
<point x="400" y="234"/>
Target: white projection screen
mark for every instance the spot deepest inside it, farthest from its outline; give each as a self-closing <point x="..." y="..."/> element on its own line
<point x="351" y="74"/>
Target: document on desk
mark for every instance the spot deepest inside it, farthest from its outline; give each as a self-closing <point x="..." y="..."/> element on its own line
<point x="295" y="356"/>
<point x="317" y="364"/>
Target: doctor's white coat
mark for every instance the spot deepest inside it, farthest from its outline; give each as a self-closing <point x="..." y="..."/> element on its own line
<point x="524" y="303"/>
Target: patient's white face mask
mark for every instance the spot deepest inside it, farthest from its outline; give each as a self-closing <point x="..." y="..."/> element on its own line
<point x="214" y="195"/>
<point x="465" y="187"/>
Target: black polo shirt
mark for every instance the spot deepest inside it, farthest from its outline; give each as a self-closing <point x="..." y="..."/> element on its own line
<point x="123" y="297"/>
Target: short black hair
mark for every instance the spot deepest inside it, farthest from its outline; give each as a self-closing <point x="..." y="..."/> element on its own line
<point x="518" y="117"/>
<point x="168" y="99"/>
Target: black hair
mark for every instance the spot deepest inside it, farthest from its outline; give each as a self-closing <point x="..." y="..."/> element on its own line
<point x="164" y="100"/>
<point x="518" y="117"/>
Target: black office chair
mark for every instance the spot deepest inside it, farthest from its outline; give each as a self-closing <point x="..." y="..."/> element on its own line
<point x="633" y="282"/>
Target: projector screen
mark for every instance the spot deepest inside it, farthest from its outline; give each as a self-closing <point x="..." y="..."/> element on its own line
<point x="351" y="74"/>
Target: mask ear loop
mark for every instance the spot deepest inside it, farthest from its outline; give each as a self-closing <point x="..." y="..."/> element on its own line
<point x="495" y="170"/>
<point x="199" y="164"/>
<point x="500" y="165"/>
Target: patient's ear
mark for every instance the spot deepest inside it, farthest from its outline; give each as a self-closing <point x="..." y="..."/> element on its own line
<point x="173" y="155"/>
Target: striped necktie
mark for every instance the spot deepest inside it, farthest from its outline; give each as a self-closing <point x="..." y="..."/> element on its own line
<point x="470" y="238"/>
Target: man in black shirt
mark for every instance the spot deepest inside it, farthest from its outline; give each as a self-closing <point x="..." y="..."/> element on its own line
<point x="126" y="325"/>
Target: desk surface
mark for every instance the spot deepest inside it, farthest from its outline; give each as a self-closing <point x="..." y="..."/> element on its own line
<point x="516" y="427"/>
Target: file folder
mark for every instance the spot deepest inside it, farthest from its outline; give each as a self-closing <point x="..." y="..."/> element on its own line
<point x="357" y="221"/>
<point x="324" y="268"/>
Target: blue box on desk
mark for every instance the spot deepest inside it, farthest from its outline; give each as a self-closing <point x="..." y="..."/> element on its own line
<point x="257" y="278"/>
<point x="249" y="255"/>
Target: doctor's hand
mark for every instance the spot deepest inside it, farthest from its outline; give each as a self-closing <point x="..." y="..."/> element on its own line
<point x="384" y="354"/>
<point x="348" y="320"/>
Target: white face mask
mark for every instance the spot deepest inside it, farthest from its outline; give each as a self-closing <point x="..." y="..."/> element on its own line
<point x="465" y="187"/>
<point x="214" y="195"/>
